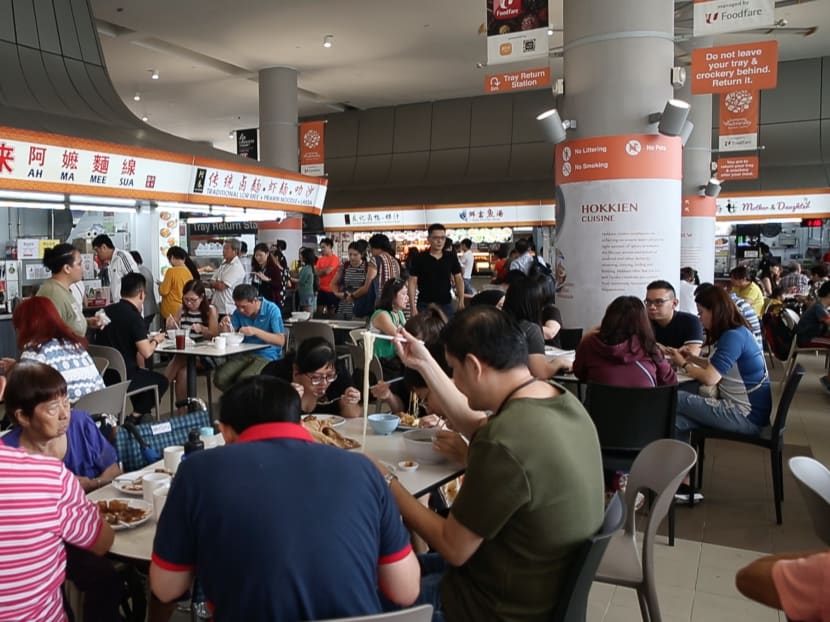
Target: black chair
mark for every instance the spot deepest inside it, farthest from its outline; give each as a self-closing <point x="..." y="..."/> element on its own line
<point x="569" y="338"/>
<point x="573" y="601"/>
<point x="772" y="438"/>
<point x="629" y="418"/>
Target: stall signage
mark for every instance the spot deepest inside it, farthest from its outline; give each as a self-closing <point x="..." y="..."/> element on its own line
<point x="221" y="228"/>
<point x="738" y="120"/>
<point x="725" y="68"/>
<point x="771" y="206"/>
<point x="738" y="168"/>
<point x="517" y="80"/>
<point x="28" y="248"/>
<point x="313" y="148"/>
<point x="718" y="16"/>
<point x="247" y="143"/>
<point x="517" y="30"/>
<point x="381" y="218"/>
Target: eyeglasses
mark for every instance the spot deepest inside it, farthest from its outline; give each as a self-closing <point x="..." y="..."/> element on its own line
<point x="54" y="408"/>
<point x="190" y="300"/>
<point x="659" y="302"/>
<point x="438" y="238"/>
<point x="317" y="380"/>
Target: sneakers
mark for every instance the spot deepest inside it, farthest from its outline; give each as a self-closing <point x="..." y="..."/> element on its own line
<point x="683" y="492"/>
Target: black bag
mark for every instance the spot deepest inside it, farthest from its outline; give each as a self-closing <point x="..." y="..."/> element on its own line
<point x="778" y="331"/>
<point x="365" y="305"/>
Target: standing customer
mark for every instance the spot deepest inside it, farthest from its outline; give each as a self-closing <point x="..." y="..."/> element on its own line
<point x="382" y="264"/>
<point x="326" y="269"/>
<point x="116" y="264"/>
<point x="65" y="263"/>
<point x="467" y="262"/>
<point x="262" y="561"/>
<point x="181" y="270"/>
<point x="266" y="275"/>
<point x="230" y="274"/>
<point x="305" y="280"/>
<point x="686" y="290"/>
<point x="432" y="274"/>
<point x="151" y="306"/>
<point x="350" y="282"/>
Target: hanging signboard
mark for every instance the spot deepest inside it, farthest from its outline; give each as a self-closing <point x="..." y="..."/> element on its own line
<point x="517" y="80"/>
<point x="713" y="17"/>
<point x="774" y="206"/>
<point x="247" y="143"/>
<point x="745" y="167"/>
<point x="738" y="120"/>
<point x="313" y="148"/>
<point x="725" y="68"/>
<point x="517" y="30"/>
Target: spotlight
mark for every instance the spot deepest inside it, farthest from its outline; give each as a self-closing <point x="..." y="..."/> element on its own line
<point x="550" y="31"/>
<point x="711" y="189"/>
<point x="327" y="41"/>
<point x="553" y="127"/>
<point x="672" y="118"/>
<point x="137" y="97"/>
<point x="154" y="74"/>
<point x="232" y="134"/>
<point x="688" y="127"/>
<point x="145" y="118"/>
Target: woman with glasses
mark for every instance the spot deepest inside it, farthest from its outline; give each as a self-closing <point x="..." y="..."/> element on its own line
<point x="38" y="405"/>
<point x="181" y="270"/>
<point x="201" y="317"/>
<point x="327" y="386"/>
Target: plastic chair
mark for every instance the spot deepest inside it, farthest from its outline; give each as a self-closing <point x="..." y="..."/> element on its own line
<point x="356" y="335"/>
<point x="629" y="418"/>
<point x="659" y="469"/>
<point x="303" y="330"/>
<point x="101" y="364"/>
<point x="814" y="480"/>
<point x="791" y="319"/>
<point x="108" y="400"/>
<point x="772" y="438"/>
<point x="569" y="338"/>
<point x="117" y="364"/>
<point x="422" y="613"/>
<point x="573" y="602"/>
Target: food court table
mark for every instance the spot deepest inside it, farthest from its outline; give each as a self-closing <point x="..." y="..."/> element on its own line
<point x="205" y="348"/>
<point x="137" y="542"/>
<point x="335" y="324"/>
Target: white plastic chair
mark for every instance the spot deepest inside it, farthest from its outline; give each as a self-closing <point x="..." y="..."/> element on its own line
<point x="814" y="480"/>
<point x="422" y="613"/>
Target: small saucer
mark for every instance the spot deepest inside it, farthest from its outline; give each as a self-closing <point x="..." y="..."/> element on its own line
<point x="408" y="465"/>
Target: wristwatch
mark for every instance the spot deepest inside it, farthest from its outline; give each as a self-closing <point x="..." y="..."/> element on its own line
<point x="390" y="477"/>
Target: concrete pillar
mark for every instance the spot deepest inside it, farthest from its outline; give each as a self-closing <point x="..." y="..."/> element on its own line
<point x="278" y="118"/>
<point x="618" y="226"/>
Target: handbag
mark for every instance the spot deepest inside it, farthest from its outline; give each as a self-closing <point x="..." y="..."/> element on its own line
<point x="132" y="445"/>
<point x="365" y="305"/>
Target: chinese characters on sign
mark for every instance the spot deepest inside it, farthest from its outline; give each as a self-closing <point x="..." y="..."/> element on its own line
<point x="374" y="218"/>
<point x="237" y="186"/>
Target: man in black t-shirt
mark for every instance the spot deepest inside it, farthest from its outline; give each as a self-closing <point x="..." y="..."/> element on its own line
<point x="672" y="328"/>
<point x="431" y="275"/>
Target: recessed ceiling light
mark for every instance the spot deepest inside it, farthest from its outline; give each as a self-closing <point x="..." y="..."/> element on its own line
<point x="154" y="74"/>
<point x="550" y="31"/>
<point x="145" y="118"/>
<point x="327" y="41"/>
<point x="231" y="134"/>
<point x="137" y="97"/>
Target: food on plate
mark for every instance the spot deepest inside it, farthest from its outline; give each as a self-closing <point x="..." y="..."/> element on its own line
<point x="171" y="223"/>
<point x="165" y="215"/>
<point x="171" y="242"/>
<point x="322" y="432"/>
<point x="136" y="485"/>
<point x="164" y="233"/>
<point x="115" y="511"/>
<point x="408" y="420"/>
<point x="206" y="269"/>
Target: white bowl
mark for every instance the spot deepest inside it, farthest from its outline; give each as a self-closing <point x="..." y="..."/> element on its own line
<point x="233" y="339"/>
<point x="300" y="316"/>
<point x="418" y="444"/>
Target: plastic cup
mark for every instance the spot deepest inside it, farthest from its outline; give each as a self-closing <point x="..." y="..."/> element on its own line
<point x="172" y="457"/>
<point x="181" y="339"/>
<point x="159" y="499"/>
<point x="151" y="481"/>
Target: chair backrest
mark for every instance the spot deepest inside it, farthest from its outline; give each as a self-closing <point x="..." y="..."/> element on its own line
<point x="101" y="364"/>
<point x="569" y="338"/>
<point x="112" y="356"/>
<point x="787" y="395"/>
<point x="303" y="330"/>
<point x="814" y="480"/>
<point x="356" y="335"/>
<point x="573" y="601"/>
<point x="660" y="468"/>
<point x="629" y="418"/>
<point x="790" y="318"/>
<point x="108" y="400"/>
<point x="422" y="613"/>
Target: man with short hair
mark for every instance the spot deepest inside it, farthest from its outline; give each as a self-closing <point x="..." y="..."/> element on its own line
<point x="672" y="328"/>
<point x="744" y="287"/>
<point x="127" y="333"/>
<point x="260" y="321"/>
<point x="523" y="259"/>
<point x="326" y="269"/>
<point x="431" y="274"/>
<point x="230" y="274"/>
<point x="795" y="282"/>
<point x="264" y="547"/>
<point x="533" y="488"/>
<point x="467" y="262"/>
<point x="115" y="263"/>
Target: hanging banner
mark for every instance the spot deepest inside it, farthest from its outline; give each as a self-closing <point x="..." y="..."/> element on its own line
<point x="517" y="30"/>
<point x="745" y="167"/>
<point x="738" y="120"/>
<point x="517" y="80"/>
<point x="697" y="234"/>
<point x="247" y="143"/>
<point x="616" y="230"/>
<point x="752" y="66"/>
<point x="816" y="204"/>
<point x="313" y="148"/>
<point x="712" y="17"/>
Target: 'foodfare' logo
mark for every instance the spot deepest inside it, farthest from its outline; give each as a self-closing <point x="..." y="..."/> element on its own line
<point x="507" y="9"/>
<point x="711" y="17"/>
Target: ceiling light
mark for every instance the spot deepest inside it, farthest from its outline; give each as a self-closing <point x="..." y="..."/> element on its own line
<point x="27" y="205"/>
<point x="204" y="220"/>
<point x="137" y="97"/>
<point x="101" y="208"/>
<point x="154" y="74"/>
<point x="327" y="41"/>
<point x="82" y="198"/>
<point x="232" y="134"/>
<point x="550" y="31"/>
<point x="145" y="118"/>
<point x="672" y="118"/>
<point x="711" y="189"/>
<point x="31" y="196"/>
<point x="553" y="126"/>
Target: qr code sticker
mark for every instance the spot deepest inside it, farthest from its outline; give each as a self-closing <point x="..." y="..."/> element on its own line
<point x="529" y="45"/>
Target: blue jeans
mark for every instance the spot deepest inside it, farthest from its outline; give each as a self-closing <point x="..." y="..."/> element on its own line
<point x="448" y="309"/>
<point x="433" y="567"/>
<point x="696" y="411"/>
<point x="468" y="286"/>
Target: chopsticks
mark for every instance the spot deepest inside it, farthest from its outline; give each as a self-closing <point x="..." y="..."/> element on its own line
<point x="397" y="338"/>
<point x="334" y="399"/>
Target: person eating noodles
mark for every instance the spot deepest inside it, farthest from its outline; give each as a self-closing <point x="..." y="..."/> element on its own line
<point x="327" y="386"/>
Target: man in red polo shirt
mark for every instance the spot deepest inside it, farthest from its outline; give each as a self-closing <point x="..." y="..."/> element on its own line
<point x="326" y="269"/>
<point x="277" y="527"/>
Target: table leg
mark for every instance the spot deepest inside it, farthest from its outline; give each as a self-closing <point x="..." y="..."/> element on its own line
<point x="191" y="375"/>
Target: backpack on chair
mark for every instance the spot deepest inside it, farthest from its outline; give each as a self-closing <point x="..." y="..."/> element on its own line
<point x="778" y="325"/>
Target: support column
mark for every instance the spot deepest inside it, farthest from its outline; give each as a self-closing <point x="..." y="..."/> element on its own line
<point x="278" y="118"/>
<point x="618" y="183"/>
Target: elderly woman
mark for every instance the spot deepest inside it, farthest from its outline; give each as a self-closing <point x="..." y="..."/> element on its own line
<point x="44" y="337"/>
<point x="36" y="402"/>
<point x="326" y="385"/>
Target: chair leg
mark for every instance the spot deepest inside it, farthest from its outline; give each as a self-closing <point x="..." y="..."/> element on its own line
<point x="642" y="599"/>
<point x="210" y="392"/>
<point x="777" y="484"/>
<point x="781" y="474"/>
<point x="172" y="390"/>
<point x="671" y="524"/>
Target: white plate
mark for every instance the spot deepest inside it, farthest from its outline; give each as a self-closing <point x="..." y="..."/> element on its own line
<point x="139" y="504"/>
<point x="334" y="420"/>
<point x="122" y="482"/>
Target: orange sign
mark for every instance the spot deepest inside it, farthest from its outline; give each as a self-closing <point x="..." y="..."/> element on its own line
<point x="636" y="156"/>
<point x="738" y="168"/>
<point x="739" y="112"/>
<point x="695" y="205"/>
<point x="730" y="67"/>
<point x="517" y="80"/>
<point x="312" y="148"/>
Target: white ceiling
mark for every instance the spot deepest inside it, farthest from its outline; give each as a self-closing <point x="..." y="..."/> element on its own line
<point x="385" y="52"/>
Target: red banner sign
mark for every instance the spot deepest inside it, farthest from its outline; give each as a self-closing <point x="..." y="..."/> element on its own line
<point x="729" y="67"/>
<point x="312" y="148"/>
<point x="738" y="168"/>
<point x="517" y="80"/>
